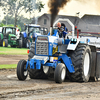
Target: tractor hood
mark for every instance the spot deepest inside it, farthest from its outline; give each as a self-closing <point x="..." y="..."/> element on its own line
<point x="36" y="34"/>
<point x="49" y="39"/>
<point x="12" y="35"/>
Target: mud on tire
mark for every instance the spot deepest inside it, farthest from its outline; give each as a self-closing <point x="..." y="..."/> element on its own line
<point x="81" y="59"/>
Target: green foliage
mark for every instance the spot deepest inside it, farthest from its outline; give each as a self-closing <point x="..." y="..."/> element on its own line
<point x="15" y="7"/>
<point x="19" y="27"/>
<point x="1" y="24"/>
<point x="11" y="25"/>
<point x="40" y="6"/>
<point x="20" y="22"/>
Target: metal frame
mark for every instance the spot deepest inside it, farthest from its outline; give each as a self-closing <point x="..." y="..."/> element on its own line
<point x="42" y="60"/>
<point x="73" y="27"/>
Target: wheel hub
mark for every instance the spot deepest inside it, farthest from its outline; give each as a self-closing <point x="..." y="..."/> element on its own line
<point x="3" y="43"/>
<point x="86" y="64"/>
<point x="25" y="71"/>
<point x="63" y="73"/>
<point x="45" y="69"/>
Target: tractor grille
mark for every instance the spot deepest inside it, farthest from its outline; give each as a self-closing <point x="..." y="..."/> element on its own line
<point x="42" y="48"/>
<point x="13" y="38"/>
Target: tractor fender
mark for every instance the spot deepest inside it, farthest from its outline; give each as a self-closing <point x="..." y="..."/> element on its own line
<point x="1" y="36"/>
<point x="68" y="62"/>
<point x="73" y="44"/>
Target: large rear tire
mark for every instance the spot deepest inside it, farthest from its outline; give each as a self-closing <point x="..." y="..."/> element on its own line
<point x="21" y="70"/>
<point x="37" y="74"/>
<point x="60" y="73"/>
<point x="81" y="59"/>
<point x="20" y="43"/>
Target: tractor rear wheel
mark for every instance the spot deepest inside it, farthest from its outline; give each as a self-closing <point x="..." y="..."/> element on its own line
<point x="20" y="43"/>
<point x="81" y="59"/>
<point x="46" y="69"/>
<point x="21" y="70"/>
<point x="5" y="43"/>
<point x="60" y="73"/>
<point x="37" y="74"/>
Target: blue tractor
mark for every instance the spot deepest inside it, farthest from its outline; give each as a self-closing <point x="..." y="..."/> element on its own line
<point x="30" y="33"/>
<point x="50" y="55"/>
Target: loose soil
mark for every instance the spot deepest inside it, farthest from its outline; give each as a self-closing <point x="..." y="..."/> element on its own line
<point x="11" y="59"/>
<point x="35" y="89"/>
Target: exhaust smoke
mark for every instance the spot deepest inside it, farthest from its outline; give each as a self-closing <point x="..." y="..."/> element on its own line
<point x="55" y="6"/>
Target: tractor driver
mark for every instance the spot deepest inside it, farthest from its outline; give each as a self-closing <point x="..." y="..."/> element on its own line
<point x="62" y="30"/>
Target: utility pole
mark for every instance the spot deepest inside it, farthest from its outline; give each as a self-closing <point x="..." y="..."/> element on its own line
<point x="34" y="7"/>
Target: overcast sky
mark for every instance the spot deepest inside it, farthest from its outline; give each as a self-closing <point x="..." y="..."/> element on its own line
<point x="71" y="8"/>
<point x="74" y="6"/>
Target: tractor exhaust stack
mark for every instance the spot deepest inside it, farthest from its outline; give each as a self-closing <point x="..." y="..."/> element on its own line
<point x="51" y="31"/>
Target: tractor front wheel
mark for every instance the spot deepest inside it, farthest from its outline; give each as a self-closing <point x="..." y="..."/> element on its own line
<point x="5" y="43"/>
<point x="60" y="73"/>
<point x="21" y="70"/>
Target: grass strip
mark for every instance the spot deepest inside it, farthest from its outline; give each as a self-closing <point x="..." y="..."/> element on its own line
<point x="6" y="66"/>
<point x="13" y="51"/>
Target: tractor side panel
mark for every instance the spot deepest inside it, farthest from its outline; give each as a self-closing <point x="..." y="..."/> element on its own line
<point x="1" y="39"/>
<point x="1" y="35"/>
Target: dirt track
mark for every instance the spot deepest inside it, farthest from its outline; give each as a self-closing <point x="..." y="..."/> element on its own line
<point x="13" y="89"/>
<point x="11" y="59"/>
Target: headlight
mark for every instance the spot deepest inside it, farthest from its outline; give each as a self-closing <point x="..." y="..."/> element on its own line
<point x="53" y="59"/>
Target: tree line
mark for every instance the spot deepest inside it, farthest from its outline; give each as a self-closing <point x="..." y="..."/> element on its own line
<point x="13" y="9"/>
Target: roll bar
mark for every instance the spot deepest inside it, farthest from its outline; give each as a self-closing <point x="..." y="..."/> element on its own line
<point x="73" y="27"/>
